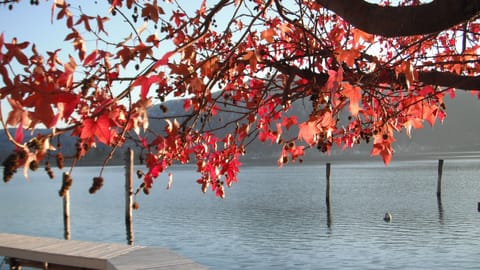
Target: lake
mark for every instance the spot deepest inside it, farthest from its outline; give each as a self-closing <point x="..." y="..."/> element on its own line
<point x="275" y="218"/>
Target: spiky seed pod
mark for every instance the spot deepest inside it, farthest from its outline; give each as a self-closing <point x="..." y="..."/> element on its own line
<point x="135" y="205"/>
<point x="60" y="160"/>
<point x="10" y="165"/>
<point x="78" y="150"/>
<point x="49" y="170"/>
<point x="33" y="165"/>
<point x="34" y="144"/>
<point x="96" y="184"/>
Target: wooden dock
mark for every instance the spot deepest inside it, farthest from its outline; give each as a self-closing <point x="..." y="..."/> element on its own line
<point x="50" y="253"/>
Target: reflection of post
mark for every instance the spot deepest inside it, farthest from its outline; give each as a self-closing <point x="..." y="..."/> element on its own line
<point x="440" y="209"/>
<point x="66" y="212"/>
<point x="129" y="195"/>
<point x="439" y="181"/>
<point x="327" y="195"/>
<point x="329" y="216"/>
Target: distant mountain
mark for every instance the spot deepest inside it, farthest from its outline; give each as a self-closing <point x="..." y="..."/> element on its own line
<point x="459" y="133"/>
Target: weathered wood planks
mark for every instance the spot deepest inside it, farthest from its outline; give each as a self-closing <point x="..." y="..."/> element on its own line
<point x="90" y="255"/>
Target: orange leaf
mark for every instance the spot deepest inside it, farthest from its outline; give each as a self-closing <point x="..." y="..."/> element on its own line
<point x="384" y="151"/>
<point x="359" y="34"/>
<point x="347" y="56"/>
<point x="408" y="70"/>
<point x="429" y="113"/>
<point x="354" y="93"/>
<point x="412" y="123"/>
<point x="210" y="66"/>
<point x="268" y="35"/>
<point x="308" y="131"/>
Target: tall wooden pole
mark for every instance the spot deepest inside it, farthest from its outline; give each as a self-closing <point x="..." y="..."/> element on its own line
<point x="327" y="195"/>
<point x="439" y="181"/>
<point x="129" y="196"/>
<point x="66" y="212"/>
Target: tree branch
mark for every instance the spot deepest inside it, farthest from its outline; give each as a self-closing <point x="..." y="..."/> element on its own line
<point x="447" y="79"/>
<point x="405" y="20"/>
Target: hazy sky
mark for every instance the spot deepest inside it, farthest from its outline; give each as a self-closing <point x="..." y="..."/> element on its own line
<point x="32" y="23"/>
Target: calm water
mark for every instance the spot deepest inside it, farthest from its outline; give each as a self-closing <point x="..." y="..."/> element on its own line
<point x="276" y="218"/>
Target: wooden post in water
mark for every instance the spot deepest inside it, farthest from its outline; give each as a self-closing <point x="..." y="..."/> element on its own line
<point x="439" y="180"/>
<point x="66" y="212"/>
<point x="129" y="195"/>
<point x="327" y="195"/>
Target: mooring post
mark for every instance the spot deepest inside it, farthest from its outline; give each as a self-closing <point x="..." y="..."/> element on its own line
<point x="327" y="195"/>
<point x="129" y="195"/>
<point x="439" y="181"/>
<point x="66" y="211"/>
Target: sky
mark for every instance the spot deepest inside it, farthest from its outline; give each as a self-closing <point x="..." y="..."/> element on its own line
<point x="27" y="22"/>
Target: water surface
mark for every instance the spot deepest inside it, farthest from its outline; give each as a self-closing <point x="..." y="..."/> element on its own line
<point x="275" y="218"/>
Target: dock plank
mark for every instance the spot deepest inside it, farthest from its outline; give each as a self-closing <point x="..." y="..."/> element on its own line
<point x="152" y="258"/>
<point x="91" y="255"/>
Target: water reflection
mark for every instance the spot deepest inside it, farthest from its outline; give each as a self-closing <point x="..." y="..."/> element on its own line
<point x="440" y="210"/>
<point x="329" y="216"/>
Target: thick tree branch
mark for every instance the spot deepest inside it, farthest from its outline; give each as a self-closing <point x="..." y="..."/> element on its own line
<point x="447" y="79"/>
<point x="404" y="21"/>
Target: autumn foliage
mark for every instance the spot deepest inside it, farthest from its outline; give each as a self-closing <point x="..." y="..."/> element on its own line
<point x="252" y="59"/>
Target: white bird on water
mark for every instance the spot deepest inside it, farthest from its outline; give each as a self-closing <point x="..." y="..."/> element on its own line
<point x="387" y="217"/>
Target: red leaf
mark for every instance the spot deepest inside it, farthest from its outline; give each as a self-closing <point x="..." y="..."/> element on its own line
<point x="100" y="21"/>
<point x="99" y="129"/>
<point x="91" y="58"/>
<point x="116" y="3"/>
<point x="187" y="104"/>
<point x="289" y="121"/>
<point x="85" y="20"/>
<point x="19" y="133"/>
<point x="6" y="79"/>
<point x="164" y="60"/>
<point x="145" y="83"/>
<point x="426" y="90"/>
<point x="151" y="11"/>
<point x="125" y="55"/>
<point x="177" y="17"/>
<point x="69" y="102"/>
<point x="15" y="50"/>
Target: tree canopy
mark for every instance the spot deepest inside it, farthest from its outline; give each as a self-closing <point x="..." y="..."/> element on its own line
<point x="363" y="71"/>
